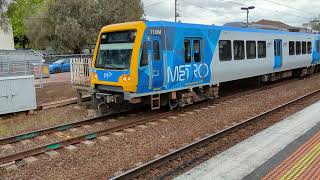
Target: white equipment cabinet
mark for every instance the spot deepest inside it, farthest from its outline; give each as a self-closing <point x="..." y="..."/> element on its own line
<point x="17" y="93"/>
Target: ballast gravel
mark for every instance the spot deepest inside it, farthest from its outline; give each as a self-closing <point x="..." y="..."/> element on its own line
<point x="117" y="153"/>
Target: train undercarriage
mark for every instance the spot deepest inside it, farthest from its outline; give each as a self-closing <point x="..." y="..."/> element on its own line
<point x="110" y="102"/>
<point x="107" y="102"/>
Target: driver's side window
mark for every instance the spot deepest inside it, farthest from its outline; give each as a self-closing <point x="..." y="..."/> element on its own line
<point x="144" y="55"/>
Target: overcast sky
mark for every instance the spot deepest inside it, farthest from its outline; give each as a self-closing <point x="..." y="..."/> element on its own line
<point x="221" y="11"/>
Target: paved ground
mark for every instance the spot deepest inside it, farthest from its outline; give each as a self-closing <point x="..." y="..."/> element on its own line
<point x="303" y="163"/>
<point x="56" y="78"/>
<point x="265" y="154"/>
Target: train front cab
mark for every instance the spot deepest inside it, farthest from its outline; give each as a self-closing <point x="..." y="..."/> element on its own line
<point x="115" y="63"/>
<point x="165" y="59"/>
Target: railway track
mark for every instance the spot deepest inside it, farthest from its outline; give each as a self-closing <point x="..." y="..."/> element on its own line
<point x="74" y="140"/>
<point x="46" y="131"/>
<point x="64" y="127"/>
<point x="177" y="155"/>
<point x="59" y="128"/>
<point x="92" y="135"/>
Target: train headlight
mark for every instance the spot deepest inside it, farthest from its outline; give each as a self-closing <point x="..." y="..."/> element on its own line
<point x="95" y="75"/>
<point x="125" y="78"/>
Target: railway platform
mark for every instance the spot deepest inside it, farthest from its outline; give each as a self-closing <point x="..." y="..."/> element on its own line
<point x="289" y="149"/>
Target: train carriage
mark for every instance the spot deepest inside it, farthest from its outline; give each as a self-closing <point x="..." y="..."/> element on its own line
<point x="176" y="64"/>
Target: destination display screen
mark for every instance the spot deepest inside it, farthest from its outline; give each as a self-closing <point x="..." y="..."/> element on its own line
<point x="118" y="37"/>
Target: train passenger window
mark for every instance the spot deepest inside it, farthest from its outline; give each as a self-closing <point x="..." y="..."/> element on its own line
<point x="144" y="55"/>
<point x="238" y="50"/>
<point x="196" y="50"/>
<point x="298" y="48"/>
<point x="318" y="46"/>
<point x="304" y="47"/>
<point x="251" y="49"/>
<point x="291" y="48"/>
<point x="187" y="51"/>
<point x="156" y="50"/>
<point x="225" y="53"/>
<point x="309" y="47"/>
<point x="262" y="49"/>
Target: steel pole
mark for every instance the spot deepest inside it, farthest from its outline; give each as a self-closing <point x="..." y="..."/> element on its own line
<point x="247" y="17"/>
<point x="175" y="10"/>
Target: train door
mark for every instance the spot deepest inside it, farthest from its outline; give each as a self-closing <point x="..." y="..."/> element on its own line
<point x="277" y="54"/>
<point x="188" y="60"/>
<point x="197" y="60"/>
<point x="156" y="63"/>
<point x="317" y="51"/>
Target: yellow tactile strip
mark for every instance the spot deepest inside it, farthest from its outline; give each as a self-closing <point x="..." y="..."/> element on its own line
<point x="304" y="163"/>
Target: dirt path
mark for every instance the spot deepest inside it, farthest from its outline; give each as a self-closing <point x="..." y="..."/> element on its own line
<point x="54" y="92"/>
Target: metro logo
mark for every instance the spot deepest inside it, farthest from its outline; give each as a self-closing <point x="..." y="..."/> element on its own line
<point x="107" y="75"/>
<point x="183" y="72"/>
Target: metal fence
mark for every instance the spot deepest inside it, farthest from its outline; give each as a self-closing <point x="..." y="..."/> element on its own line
<point x="29" y="62"/>
<point x="80" y="72"/>
<point x="20" y="63"/>
<point x="49" y="59"/>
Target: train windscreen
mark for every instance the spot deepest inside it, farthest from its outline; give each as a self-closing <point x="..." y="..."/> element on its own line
<point x="115" y="50"/>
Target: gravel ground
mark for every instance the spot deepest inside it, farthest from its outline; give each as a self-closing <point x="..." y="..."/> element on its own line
<point x="59" y="90"/>
<point x="106" y="123"/>
<point x="44" y="118"/>
<point x="22" y="123"/>
<point x="121" y="152"/>
<point x="200" y="154"/>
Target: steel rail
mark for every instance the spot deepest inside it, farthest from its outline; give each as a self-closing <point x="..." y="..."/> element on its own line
<point x="78" y="139"/>
<point x="45" y="131"/>
<point x="59" y="128"/>
<point x="60" y="144"/>
<point x="75" y="140"/>
<point x="173" y="155"/>
<point x="67" y="126"/>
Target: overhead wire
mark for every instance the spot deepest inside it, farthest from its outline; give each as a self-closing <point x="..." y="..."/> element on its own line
<point x="156" y="3"/>
<point x="222" y="13"/>
<point x="241" y="4"/>
<point x="209" y="9"/>
<point x="290" y="7"/>
<point x="200" y="15"/>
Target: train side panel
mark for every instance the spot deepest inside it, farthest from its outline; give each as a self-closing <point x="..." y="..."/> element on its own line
<point x="224" y="71"/>
<point x="183" y="62"/>
<point x="177" y="72"/>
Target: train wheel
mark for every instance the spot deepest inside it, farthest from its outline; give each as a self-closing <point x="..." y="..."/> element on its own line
<point x="173" y="104"/>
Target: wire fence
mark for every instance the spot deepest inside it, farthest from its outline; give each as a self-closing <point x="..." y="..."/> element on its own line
<point x="49" y="59"/>
<point x="29" y="62"/>
<point x="21" y="63"/>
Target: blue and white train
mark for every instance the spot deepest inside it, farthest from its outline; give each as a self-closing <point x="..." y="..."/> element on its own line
<point x="165" y="63"/>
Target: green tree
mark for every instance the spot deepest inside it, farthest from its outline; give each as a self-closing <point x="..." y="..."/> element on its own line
<point x="69" y="26"/>
<point x="18" y="12"/>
